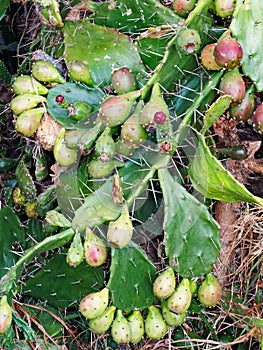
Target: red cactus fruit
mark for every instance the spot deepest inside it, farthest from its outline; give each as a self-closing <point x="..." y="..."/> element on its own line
<point x="228" y="52"/>
<point x="258" y="118"/>
<point x="208" y="58"/>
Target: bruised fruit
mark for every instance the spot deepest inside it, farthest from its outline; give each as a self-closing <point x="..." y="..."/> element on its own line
<point x="120" y="231"/>
<point x="164" y="284"/>
<point x="24" y="102"/>
<point x="155" y="326"/>
<point x="123" y="80"/>
<point x="28" y="121"/>
<point x="244" y="110"/>
<point x="181" y="298"/>
<point x="188" y="41"/>
<point x="94" y="249"/>
<point x="94" y="304"/>
<point x="171" y="318"/>
<point x="137" y="326"/>
<point x="75" y="253"/>
<point x="183" y="7"/>
<point x="25" y="84"/>
<point x="45" y="71"/>
<point x="64" y="155"/>
<point x="208" y="58"/>
<point x="120" y="329"/>
<point x="79" y="70"/>
<point x="210" y="291"/>
<point x="228" y="52"/>
<point x="103" y="322"/>
<point x="224" y="8"/>
<point x="233" y="85"/>
<point x="5" y="315"/>
<point x="258" y="118"/>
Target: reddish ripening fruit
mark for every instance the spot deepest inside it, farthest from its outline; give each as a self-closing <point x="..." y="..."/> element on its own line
<point x="183" y="7"/>
<point x="244" y="110"/>
<point x="258" y="118"/>
<point x="228" y="52"/>
<point x="94" y="304"/>
<point x="123" y="80"/>
<point x="210" y="291"/>
<point x="159" y="117"/>
<point x="233" y="85"/>
<point x="94" y="249"/>
<point x="60" y="98"/>
<point x="208" y="58"/>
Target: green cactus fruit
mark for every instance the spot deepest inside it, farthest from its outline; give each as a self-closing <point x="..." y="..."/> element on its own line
<point x="164" y="284"/>
<point x="225" y="8"/>
<point x="44" y="71"/>
<point x="103" y="322"/>
<point x="98" y="168"/>
<point x="258" y="118"/>
<point x="155" y="326"/>
<point x="228" y="52"/>
<point x="115" y="110"/>
<point x="25" y="102"/>
<point x="137" y="326"/>
<point x="78" y="110"/>
<point x="64" y="155"/>
<point x="94" y="249"/>
<point x="133" y="134"/>
<point x="244" y="110"/>
<point x="183" y="7"/>
<point x="94" y="304"/>
<point x="210" y="291"/>
<point x="105" y="146"/>
<point x="123" y="80"/>
<point x="25" y="84"/>
<point x="120" y="231"/>
<point x="75" y="253"/>
<point x="188" y="41"/>
<point x="155" y="104"/>
<point x="79" y="70"/>
<point x="233" y="85"/>
<point x="55" y="218"/>
<point x="208" y="58"/>
<point x="122" y="149"/>
<point x="28" y="121"/>
<point x="18" y="196"/>
<point x="120" y="329"/>
<point x="180" y="300"/>
<point x="5" y="315"/>
<point x="171" y="318"/>
<point x="193" y="286"/>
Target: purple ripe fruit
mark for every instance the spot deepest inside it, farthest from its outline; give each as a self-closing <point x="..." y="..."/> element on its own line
<point x="94" y="249"/>
<point x="233" y="85"/>
<point x="5" y="315"/>
<point x="159" y="117"/>
<point x="94" y="304"/>
<point x="164" y="284"/>
<point x="123" y="80"/>
<point x="258" y="118"/>
<point x="228" y="52"/>
<point x="210" y="291"/>
<point x="208" y="58"/>
<point x="60" y="98"/>
<point x="188" y="41"/>
<point x="183" y="7"/>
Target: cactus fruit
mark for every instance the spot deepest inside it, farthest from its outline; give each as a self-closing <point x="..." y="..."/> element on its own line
<point x="120" y="231"/>
<point x="244" y="110"/>
<point x="24" y="102"/>
<point x="75" y="253"/>
<point x="5" y="315"/>
<point x="233" y="85"/>
<point x="115" y="110"/>
<point x="136" y="323"/>
<point x="159" y="117"/>
<point x="25" y="84"/>
<point x="210" y="291"/>
<point x="64" y="155"/>
<point x="188" y="41"/>
<point x="193" y="286"/>
<point x="44" y="71"/>
<point x="94" y="249"/>
<point x="60" y="99"/>
<point x="28" y="121"/>
<point x="79" y="71"/>
<point x="258" y="118"/>
<point x="105" y="146"/>
<point x="208" y="58"/>
<point x="180" y="300"/>
<point x="171" y="318"/>
<point x="103" y="322"/>
<point x="155" y="326"/>
<point x="99" y="168"/>
<point x="120" y="329"/>
<point x="164" y="284"/>
<point x="78" y="110"/>
<point x="228" y="52"/>
<point x="123" y="80"/>
<point x="94" y="304"/>
<point x="183" y="7"/>
<point x="224" y="8"/>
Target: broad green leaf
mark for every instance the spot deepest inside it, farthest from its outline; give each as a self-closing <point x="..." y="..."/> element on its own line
<point x="210" y="178"/>
<point x="3" y="7"/>
<point x="130" y="280"/>
<point x="247" y="27"/>
<point x="191" y="235"/>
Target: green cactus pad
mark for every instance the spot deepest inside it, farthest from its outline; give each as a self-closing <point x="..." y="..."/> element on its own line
<point x="130" y="280"/>
<point x="191" y="234"/>
<point x="71" y="92"/>
<point x="101" y="48"/>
